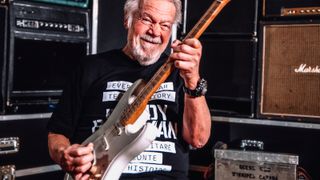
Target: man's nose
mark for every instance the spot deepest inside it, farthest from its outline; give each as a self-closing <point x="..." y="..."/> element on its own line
<point x="155" y="29"/>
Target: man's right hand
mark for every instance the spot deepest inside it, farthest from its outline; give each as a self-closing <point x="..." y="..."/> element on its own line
<point x="77" y="160"/>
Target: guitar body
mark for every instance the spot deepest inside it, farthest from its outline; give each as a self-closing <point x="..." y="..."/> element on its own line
<point x="114" y="145"/>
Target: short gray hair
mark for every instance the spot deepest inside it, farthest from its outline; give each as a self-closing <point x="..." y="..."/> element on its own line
<point x="132" y="6"/>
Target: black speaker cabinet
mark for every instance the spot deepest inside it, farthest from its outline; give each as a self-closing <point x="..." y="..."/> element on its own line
<point x="290" y="70"/>
<point x="3" y="53"/>
<point x="238" y="17"/>
<point x="228" y="65"/>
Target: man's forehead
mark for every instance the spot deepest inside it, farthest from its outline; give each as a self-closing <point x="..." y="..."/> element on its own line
<point x="156" y="3"/>
<point x="159" y="8"/>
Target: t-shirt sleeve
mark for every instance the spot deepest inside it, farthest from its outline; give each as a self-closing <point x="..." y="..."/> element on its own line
<point x="66" y="115"/>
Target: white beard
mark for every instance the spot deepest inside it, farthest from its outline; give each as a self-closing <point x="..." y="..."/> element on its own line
<point x="143" y="57"/>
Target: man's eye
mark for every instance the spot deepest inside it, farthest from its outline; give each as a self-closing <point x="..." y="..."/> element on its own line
<point x="147" y="20"/>
<point x="165" y="26"/>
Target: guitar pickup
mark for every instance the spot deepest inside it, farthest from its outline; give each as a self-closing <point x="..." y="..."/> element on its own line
<point x="9" y="145"/>
<point x="7" y="172"/>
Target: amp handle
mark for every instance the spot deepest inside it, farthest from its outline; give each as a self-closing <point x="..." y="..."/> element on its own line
<point x="9" y="145"/>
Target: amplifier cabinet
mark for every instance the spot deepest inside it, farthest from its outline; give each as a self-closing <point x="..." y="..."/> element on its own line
<point x="46" y="42"/>
<point x="290" y="70"/>
<point x="228" y="64"/>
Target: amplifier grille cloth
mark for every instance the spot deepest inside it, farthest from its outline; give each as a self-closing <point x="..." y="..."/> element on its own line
<point x="291" y="70"/>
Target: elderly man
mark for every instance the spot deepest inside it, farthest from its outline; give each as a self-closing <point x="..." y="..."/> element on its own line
<point x="178" y="108"/>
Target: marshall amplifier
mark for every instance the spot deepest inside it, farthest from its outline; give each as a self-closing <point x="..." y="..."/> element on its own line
<point x="290" y="71"/>
<point x="282" y="8"/>
<point x="46" y="42"/>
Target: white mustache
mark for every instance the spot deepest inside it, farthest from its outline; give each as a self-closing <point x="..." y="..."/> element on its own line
<point x="156" y="40"/>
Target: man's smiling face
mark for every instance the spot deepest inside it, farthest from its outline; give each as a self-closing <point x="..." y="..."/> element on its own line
<point x="150" y="31"/>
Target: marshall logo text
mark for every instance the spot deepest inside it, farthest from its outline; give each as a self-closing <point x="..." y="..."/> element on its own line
<point x="303" y="68"/>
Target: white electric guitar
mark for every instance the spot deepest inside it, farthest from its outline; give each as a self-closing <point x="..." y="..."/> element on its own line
<point x="126" y="134"/>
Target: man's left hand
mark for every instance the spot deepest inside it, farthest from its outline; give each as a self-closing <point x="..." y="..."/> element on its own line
<point x="186" y="56"/>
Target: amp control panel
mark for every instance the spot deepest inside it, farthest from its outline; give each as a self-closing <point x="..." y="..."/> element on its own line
<point x="48" y="20"/>
<point x="50" y="26"/>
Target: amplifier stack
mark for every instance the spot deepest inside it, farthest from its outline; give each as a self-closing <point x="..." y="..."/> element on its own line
<point x="46" y="41"/>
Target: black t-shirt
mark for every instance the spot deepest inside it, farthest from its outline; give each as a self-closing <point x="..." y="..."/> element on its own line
<point x="92" y="93"/>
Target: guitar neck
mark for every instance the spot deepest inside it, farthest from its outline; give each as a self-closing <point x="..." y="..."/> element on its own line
<point x="165" y="70"/>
